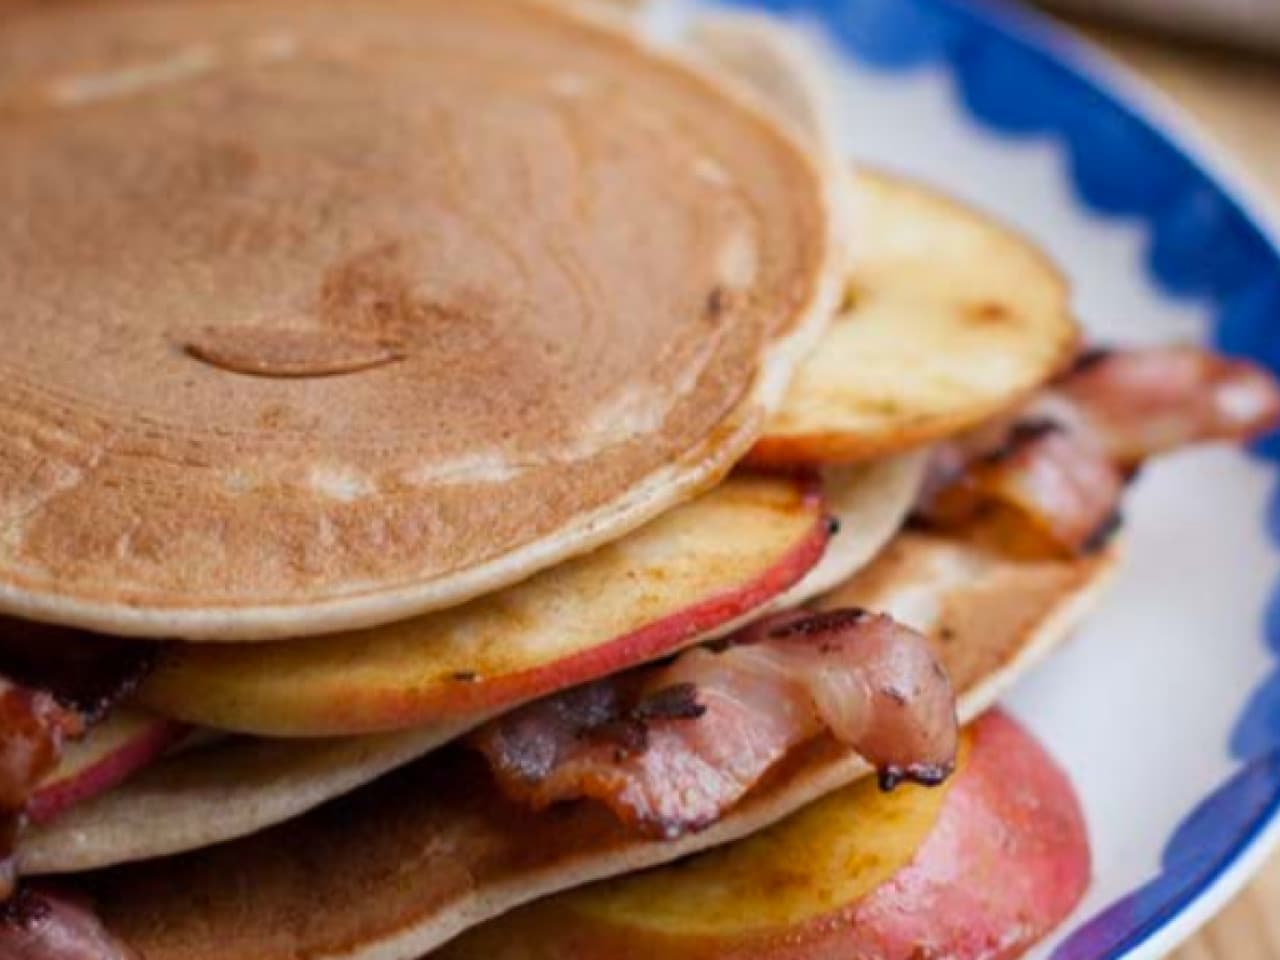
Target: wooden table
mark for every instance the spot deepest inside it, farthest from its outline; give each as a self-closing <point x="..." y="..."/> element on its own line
<point x="1237" y="99"/>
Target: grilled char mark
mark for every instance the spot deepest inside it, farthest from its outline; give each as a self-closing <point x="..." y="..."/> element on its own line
<point x="1022" y="434"/>
<point x="1033" y="487"/>
<point x="1085" y="360"/>
<point x="924" y="774"/>
<point x="808" y="624"/>
<point x="1104" y="533"/>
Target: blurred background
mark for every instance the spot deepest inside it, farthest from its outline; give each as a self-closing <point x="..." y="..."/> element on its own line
<point x="1220" y="61"/>
<point x="1249" y="23"/>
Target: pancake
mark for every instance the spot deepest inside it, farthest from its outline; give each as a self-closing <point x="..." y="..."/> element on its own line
<point x="279" y="362"/>
<point x="411" y="861"/>
<point x="242" y="785"/>
<point x="779" y="64"/>
<point x="870" y="502"/>
<point x="220" y="791"/>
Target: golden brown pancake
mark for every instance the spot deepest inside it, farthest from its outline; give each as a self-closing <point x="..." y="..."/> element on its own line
<point x="780" y="64"/>
<point x="952" y="318"/>
<point x="315" y="319"/>
<point x="398" y="868"/>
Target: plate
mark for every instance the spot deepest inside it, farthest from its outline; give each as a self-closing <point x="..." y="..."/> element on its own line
<point x="1166" y="708"/>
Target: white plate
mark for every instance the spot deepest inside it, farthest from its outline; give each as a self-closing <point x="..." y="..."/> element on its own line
<point x="1166" y="710"/>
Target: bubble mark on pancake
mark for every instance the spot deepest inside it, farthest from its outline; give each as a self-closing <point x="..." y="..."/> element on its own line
<point x="341" y="484"/>
<point x="93" y="87"/>
<point x="289" y="353"/>
<point x="738" y="262"/>
<point x="571" y="86"/>
<point x="490" y="467"/>
<point x="710" y="171"/>
<point x="718" y="301"/>
<point x="274" y="47"/>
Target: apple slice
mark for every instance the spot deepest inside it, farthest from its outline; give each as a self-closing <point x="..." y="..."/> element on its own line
<point x="952" y="318"/>
<point x="700" y="568"/>
<point x="982" y="868"/>
<point x="110" y="752"/>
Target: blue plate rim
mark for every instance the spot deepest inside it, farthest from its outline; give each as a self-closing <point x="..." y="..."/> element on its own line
<point x="1194" y="890"/>
<point x="1185" y="134"/>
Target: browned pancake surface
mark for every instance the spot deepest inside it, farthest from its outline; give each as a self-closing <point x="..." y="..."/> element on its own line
<point x="303" y="305"/>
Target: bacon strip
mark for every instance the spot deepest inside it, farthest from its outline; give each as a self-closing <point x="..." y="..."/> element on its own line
<point x="1048" y="480"/>
<point x="1143" y="402"/>
<point x="1045" y="491"/>
<point x="39" y="924"/>
<point x="669" y="749"/>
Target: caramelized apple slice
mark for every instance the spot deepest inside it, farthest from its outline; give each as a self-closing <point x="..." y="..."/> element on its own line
<point x="981" y="868"/>
<point x="952" y="318"/>
<point x="697" y="569"/>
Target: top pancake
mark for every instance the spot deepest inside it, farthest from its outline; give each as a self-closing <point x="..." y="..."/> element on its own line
<point x="319" y="316"/>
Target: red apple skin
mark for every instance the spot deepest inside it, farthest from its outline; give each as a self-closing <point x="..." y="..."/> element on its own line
<point x="352" y="708"/>
<point x="145" y="742"/>
<point x="662" y="637"/>
<point x="1006" y="861"/>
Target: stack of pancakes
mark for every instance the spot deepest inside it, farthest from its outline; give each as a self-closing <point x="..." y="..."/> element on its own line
<point x="377" y="369"/>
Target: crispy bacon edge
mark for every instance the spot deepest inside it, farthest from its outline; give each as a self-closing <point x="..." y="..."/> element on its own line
<point x="670" y="748"/>
<point x="1047" y="480"/>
